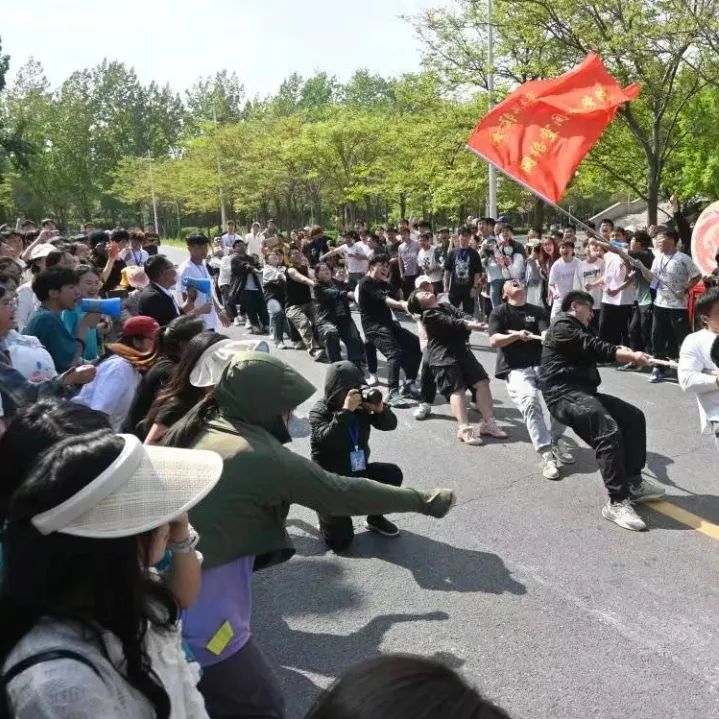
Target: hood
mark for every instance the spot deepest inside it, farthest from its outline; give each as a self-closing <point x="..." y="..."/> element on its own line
<point x="341" y="376"/>
<point x="256" y="388"/>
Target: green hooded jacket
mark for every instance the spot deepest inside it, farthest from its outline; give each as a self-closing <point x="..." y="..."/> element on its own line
<point x="245" y="512"/>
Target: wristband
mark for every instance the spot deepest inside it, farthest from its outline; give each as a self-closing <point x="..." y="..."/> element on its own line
<point x="187" y="545"/>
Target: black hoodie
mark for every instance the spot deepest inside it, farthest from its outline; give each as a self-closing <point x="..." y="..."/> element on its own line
<point x="331" y="425"/>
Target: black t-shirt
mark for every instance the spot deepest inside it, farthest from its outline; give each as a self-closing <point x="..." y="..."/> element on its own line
<point x="297" y="293"/>
<point x="519" y="354"/>
<point x="373" y="308"/>
<point x="463" y="264"/>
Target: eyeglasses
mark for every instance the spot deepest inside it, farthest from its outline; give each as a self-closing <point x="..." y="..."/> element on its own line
<point x="8" y="302"/>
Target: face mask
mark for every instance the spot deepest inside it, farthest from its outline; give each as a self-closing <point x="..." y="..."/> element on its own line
<point x="298" y="426"/>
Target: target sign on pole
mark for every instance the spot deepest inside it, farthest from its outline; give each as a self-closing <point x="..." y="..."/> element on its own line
<point x="705" y="239"/>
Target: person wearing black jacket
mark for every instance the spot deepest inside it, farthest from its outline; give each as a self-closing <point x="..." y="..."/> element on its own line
<point x="246" y="289"/>
<point x="333" y="318"/>
<point x="613" y="428"/>
<point x="454" y="366"/>
<point x="341" y="424"/>
<point x="157" y="300"/>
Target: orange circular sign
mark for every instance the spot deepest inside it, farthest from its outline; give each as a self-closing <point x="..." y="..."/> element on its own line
<point x="705" y="239"/>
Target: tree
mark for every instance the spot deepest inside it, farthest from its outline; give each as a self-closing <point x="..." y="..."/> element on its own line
<point x="658" y="43"/>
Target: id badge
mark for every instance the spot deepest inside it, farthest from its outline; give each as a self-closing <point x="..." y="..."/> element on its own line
<point x="358" y="463"/>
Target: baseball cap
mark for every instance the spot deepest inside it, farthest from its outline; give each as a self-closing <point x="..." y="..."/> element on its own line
<point x="140" y="326"/>
<point x="212" y="362"/>
<point x="422" y="280"/>
<point x="144" y="488"/>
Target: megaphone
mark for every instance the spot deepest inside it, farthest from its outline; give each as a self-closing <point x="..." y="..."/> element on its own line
<point x="112" y="307"/>
<point x="201" y="284"/>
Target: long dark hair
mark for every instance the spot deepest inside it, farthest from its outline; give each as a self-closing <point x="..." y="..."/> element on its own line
<point x="401" y="686"/>
<point x="173" y="338"/>
<point x="183" y="433"/>
<point x="179" y="390"/>
<point x="97" y="583"/>
<point x="34" y="429"/>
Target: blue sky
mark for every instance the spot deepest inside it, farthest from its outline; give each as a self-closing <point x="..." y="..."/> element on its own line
<point x="175" y="42"/>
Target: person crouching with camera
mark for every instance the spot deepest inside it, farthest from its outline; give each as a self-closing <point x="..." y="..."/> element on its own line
<point x="341" y="423"/>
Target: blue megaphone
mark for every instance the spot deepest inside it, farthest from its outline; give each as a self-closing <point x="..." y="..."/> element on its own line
<point x="201" y="284"/>
<point x="112" y="307"/>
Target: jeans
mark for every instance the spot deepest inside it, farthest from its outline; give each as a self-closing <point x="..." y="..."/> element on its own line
<point x="278" y="321"/>
<point x="495" y="292"/>
<point x="614" y="429"/>
<point x="526" y="397"/>
<point x="668" y="327"/>
<point x="345" y="330"/>
<point x="338" y="532"/>
<point x="302" y="317"/>
<point x="253" y="303"/>
<point x="614" y="323"/>
<point x="401" y="348"/>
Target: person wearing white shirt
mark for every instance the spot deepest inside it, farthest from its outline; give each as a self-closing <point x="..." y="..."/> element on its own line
<point x="698" y="359"/>
<point x="618" y="298"/>
<point x="564" y="276"/>
<point x="195" y="268"/>
<point x="253" y="240"/>
<point x="430" y="264"/>
<point x="229" y="237"/>
<point x="355" y="253"/>
<point x="134" y="254"/>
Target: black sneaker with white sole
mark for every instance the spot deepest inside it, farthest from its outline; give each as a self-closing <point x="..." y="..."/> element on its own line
<point x="382" y="526"/>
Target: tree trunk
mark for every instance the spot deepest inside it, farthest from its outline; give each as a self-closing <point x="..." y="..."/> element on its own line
<point x="402" y="205"/>
<point x="653" y="187"/>
<point x="539" y="208"/>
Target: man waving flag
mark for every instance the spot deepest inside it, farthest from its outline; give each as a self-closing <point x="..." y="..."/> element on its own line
<point x="543" y="130"/>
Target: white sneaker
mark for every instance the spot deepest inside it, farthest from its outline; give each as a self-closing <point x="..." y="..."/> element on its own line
<point x="561" y="454"/>
<point x="467" y="435"/>
<point x="623" y="514"/>
<point x="423" y="411"/>
<point x="248" y="325"/>
<point x="371" y="380"/>
<point x="549" y="466"/>
<point x="237" y="321"/>
<point x="491" y="428"/>
<point x="280" y="345"/>
<point x="647" y="491"/>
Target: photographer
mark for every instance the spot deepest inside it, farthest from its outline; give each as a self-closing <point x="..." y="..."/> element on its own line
<point x="341" y="425"/>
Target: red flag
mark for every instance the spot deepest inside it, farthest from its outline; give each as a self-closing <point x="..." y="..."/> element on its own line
<point x="543" y="130"/>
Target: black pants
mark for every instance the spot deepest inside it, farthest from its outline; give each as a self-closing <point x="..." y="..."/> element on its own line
<point x="345" y="330"/>
<point x="253" y="303"/>
<point x="640" y="329"/>
<point x="427" y="385"/>
<point x="338" y="532"/>
<point x="669" y="329"/>
<point x="614" y="429"/>
<point x="401" y="349"/>
<point x="408" y="285"/>
<point x="462" y="299"/>
<point x="371" y="353"/>
<point x="614" y="323"/>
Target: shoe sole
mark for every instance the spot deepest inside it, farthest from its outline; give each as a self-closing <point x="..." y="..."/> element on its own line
<point x="553" y="478"/>
<point x="376" y="530"/>
<point x="623" y="525"/>
<point x="648" y="497"/>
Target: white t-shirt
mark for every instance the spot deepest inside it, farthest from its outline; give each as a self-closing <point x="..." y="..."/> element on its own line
<point x="408" y="255"/>
<point x="591" y="272"/>
<point x="254" y="244"/>
<point x="189" y="269"/>
<point x="615" y="275"/>
<point x="674" y="271"/>
<point x="565" y="277"/>
<point x="27" y="303"/>
<point x="429" y="264"/>
<point x="227" y="241"/>
<point x="356" y="257"/>
<point x="112" y="390"/>
<point x="698" y="373"/>
<point x="135" y="258"/>
<point x="225" y="276"/>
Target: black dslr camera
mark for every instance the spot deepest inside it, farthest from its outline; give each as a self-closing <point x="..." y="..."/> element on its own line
<point x="371" y="395"/>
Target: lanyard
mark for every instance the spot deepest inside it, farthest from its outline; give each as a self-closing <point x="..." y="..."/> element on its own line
<point x="134" y="257"/>
<point x="354" y="433"/>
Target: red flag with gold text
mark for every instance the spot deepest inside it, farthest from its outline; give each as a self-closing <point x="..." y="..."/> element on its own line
<point x="542" y="131"/>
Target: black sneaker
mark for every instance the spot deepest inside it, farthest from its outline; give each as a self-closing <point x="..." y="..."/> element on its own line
<point x="382" y="526"/>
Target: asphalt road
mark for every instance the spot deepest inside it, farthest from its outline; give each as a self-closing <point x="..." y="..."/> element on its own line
<point x="548" y="608"/>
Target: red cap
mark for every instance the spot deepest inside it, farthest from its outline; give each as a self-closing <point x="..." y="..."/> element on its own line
<point x="140" y="326"/>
